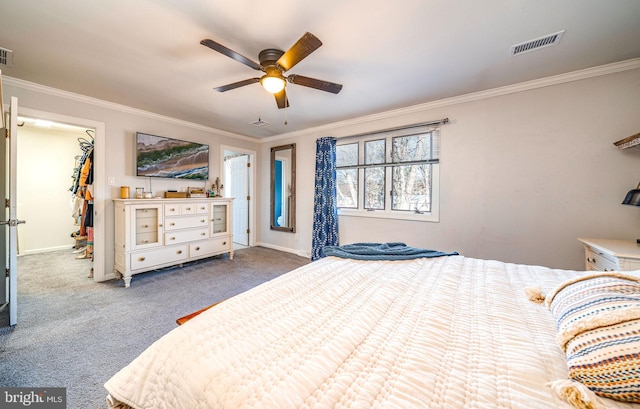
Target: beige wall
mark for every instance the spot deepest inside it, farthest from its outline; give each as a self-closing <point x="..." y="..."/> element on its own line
<point x="120" y="124"/>
<point x="522" y="175"/>
<point x="44" y="168"/>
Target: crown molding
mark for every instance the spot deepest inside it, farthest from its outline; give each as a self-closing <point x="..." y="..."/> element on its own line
<point x="578" y="75"/>
<point x="32" y="86"/>
<point x="474" y="96"/>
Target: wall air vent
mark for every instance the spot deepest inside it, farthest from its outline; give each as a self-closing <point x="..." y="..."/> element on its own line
<point x="536" y="44"/>
<point x="6" y="57"/>
<point x="259" y="122"/>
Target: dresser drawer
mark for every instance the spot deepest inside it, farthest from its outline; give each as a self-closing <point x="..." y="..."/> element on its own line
<point x="597" y="260"/>
<point x="202" y="208"/>
<point x="150" y="258"/>
<point x="174" y="237"/>
<point x="186" y="222"/>
<point x="146" y="225"/>
<point x="147" y="238"/>
<point x="187" y="208"/>
<point x="172" y="209"/>
<point x="213" y="246"/>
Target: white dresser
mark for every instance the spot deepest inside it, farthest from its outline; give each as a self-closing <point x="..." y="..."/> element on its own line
<point x="611" y="255"/>
<point x="155" y="233"/>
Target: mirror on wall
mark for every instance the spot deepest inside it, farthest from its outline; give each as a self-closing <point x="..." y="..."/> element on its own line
<point x="283" y="188"/>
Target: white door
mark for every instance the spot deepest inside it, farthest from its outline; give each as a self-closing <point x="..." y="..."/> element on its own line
<point x="238" y="176"/>
<point x="4" y="233"/>
<point x="8" y="221"/>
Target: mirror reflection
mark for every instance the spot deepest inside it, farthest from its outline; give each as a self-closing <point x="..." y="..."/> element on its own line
<point x="283" y="188"/>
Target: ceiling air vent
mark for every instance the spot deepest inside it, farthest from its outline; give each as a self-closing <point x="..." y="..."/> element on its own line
<point x="536" y="44"/>
<point x="6" y="57"/>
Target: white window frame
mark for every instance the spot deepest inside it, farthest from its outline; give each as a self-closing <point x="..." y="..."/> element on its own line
<point x="387" y="213"/>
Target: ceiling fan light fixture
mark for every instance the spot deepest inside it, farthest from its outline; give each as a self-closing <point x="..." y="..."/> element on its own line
<point x="273" y="83"/>
<point x="274" y="63"/>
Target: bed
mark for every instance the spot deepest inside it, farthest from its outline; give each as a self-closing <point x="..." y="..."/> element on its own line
<point x="416" y="331"/>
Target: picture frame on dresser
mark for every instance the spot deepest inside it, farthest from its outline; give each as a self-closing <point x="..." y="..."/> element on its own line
<point x="156" y="233"/>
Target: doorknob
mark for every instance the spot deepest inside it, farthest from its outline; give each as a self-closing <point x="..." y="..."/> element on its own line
<point x="12" y="222"/>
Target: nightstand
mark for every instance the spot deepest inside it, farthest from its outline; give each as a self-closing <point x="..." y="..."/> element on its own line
<point x="611" y="255"/>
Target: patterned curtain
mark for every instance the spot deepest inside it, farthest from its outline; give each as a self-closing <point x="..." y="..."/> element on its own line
<point x="325" y="210"/>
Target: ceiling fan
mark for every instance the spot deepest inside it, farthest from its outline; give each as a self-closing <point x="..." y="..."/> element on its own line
<point x="274" y="63"/>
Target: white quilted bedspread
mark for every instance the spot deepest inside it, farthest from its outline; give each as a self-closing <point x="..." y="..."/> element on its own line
<point x="449" y="332"/>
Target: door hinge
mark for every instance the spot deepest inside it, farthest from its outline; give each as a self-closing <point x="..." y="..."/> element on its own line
<point x="248" y="231"/>
<point x="6" y="273"/>
<point x="248" y="164"/>
<point x="6" y="132"/>
<point x="7" y="203"/>
<point x="248" y="197"/>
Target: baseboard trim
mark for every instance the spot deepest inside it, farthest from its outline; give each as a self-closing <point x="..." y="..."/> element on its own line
<point x="46" y="250"/>
<point x="300" y="253"/>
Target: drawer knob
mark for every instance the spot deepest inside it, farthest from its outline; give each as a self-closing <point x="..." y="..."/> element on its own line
<point x="146" y="241"/>
<point x="172" y="224"/>
<point x="179" y="252"/>
<point x="202" y="220"/>
<point x="172" y="238"/>
<point x="203" y="234"/>
<point x="140" y="258"/>
<point x="172" y="209"/>
<point x="224" y="243"/>
<point x="145" y="226"/>
<point x="160" y="225"/>
<point x="202" y="208"/>
<point x="197" y="248"/>
<point x="188" y="208"/>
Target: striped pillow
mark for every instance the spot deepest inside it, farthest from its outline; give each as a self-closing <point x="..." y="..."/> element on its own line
<point x="598" y="322"/>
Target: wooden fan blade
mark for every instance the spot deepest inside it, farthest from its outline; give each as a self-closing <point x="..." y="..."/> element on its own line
<point x="307" y="44"/>
<point x="237" y="84"/>
<point x="281" y="99"/>
<point x="315" y="83"/>
<point x="230" y="53"/>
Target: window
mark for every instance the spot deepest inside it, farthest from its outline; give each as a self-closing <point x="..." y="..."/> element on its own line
<point x="392" y="174"/>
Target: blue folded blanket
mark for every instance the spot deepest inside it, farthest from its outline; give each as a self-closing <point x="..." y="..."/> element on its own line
<point x="382" y="251"/>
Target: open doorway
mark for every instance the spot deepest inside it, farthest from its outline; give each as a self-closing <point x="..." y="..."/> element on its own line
<point x="54" y="195"/>
<point x="238" y="170"/>
<point x="64" y="139"/>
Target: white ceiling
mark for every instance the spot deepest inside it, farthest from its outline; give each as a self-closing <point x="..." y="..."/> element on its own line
<point x="146" y="54"/>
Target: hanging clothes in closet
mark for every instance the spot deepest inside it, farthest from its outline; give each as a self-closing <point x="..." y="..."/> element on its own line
<point x="82" y="196"/>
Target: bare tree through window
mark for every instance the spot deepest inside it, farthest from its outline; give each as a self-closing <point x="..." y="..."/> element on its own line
<point x="390" y="173"/>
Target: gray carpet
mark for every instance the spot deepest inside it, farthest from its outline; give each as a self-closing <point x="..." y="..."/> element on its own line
<point x="75" y="333"/>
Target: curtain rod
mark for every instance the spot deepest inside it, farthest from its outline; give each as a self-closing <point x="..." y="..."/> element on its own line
<point x="400" y="128"/>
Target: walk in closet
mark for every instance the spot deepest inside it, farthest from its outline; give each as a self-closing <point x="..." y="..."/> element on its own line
<point x="55" y="191"/>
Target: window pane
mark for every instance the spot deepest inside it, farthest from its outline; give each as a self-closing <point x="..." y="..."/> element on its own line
<point x="411" y="188"/>
<point x="347" y="188"/>
<point x="374" y="188"/>
<point x="347" y="155"/>
<point x="374" y="152"/>
<point x="412" y="147"/>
